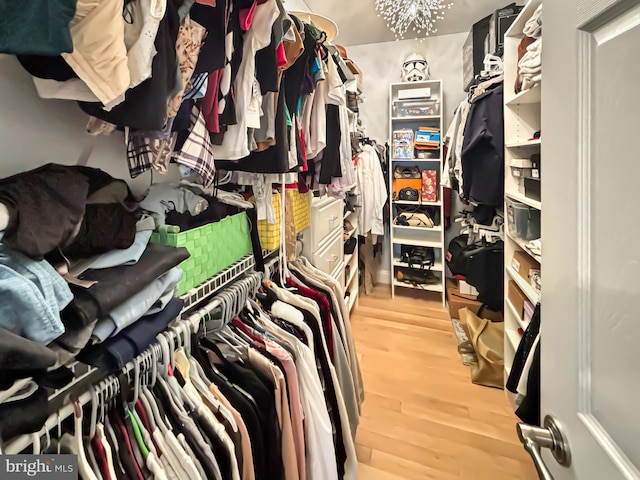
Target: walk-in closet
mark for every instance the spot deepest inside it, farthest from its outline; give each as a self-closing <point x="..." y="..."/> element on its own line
<point x="303" y="240"/>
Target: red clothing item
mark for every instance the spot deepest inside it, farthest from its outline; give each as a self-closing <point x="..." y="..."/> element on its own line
<point x="325" y="311"/>
<point x="303" y="146"/>
<point x="281" y="56"/>
<point x="209" y="103"/>
<point x="246" y="16"/>
<point x="101" y="457"/>
<point x="127" y="444"/>
<point x="144" y="417"/>
<point x="236" y="322"/>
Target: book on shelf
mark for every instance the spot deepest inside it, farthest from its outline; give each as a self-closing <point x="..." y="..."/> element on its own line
<point x="402" y="144"/>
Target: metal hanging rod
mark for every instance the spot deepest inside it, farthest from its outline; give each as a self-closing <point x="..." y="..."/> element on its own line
<point x="236" y="282"/>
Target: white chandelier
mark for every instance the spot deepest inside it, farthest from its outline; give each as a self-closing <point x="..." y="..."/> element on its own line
<point x="419" y="15"/>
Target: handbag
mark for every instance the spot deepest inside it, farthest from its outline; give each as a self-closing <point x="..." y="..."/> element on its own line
<point x="409" y="194"/>
<point x="416" y="276"/>
<point x="414" y="219"/>
<point x="487" y="339"/>
<point x="418" y="257"/>
<point x="407" y="172"/>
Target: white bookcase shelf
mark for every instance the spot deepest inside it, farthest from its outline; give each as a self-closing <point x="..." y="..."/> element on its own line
<point x="417" y="236"/>
<point x="521" y="120"/>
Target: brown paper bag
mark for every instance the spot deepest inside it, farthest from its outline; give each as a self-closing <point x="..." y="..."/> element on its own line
<point x="487" y="339"/>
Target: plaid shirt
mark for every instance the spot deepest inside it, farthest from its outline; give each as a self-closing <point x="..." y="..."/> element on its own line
<point x="197" y="151"/>
<point x="147" y="149"/>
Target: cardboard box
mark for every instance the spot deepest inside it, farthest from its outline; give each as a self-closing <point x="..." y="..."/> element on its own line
<point x="457" y="301"/>
<point x="400" y="183"/>
<point x="523" y="264"/>
<point x="516" y="297"/>
<point x="467" y="289"/>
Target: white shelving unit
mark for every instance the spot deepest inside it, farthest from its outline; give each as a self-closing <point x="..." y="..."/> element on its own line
<point x="417" y="236"/>
<point x="521" y="120"/>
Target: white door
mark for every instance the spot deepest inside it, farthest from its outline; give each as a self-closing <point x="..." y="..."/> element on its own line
<point x="590" y="345"/>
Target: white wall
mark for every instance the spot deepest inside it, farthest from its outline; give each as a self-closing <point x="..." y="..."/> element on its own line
<point x="34" y="132"/>
<point x="297" y="6"/>
<point x="381" y="64"/>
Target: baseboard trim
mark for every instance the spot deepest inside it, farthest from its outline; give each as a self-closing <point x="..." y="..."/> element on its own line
<point x="384" y="276"/>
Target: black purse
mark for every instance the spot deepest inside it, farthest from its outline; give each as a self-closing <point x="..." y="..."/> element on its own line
<point x="418" y="257"/>
<point x="409" y="194"/>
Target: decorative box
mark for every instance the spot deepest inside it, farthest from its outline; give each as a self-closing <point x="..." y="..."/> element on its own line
<point x="430" y="185"/>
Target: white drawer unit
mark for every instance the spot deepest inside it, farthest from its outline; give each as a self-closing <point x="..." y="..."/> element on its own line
<point x="330" y="257"/>
<point x="326" y="225"/>
<point x="323" y="243"/>
<point x="326" y="217"/>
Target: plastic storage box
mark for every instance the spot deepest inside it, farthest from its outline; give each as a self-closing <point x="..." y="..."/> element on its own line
<point x="416" y="108"/>
<point x="523" y="221"/>
<point x="213" y="247"/>
<point x="521" y="167"/>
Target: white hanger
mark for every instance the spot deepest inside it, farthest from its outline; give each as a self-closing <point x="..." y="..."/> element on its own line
<point x="93" y="421"/>
<point x="83" y="465"/>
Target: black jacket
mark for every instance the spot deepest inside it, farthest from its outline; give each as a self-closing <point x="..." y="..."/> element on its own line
<point x="483" y="149"/>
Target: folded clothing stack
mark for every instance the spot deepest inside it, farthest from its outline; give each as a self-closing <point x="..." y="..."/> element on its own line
<point x="76" y="268"/>
<point x="530" y="54"/>
<point x="531" y="65"/>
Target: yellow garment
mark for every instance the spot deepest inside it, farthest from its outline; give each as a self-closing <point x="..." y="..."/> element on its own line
<point x="99" y="56"/>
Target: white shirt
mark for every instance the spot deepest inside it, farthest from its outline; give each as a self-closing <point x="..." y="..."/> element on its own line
<point x="453" y="137"/>
<point x="373" y="191"/>
<point x="318" y="117"/>
<point x="140" y="35"/>
<point x="236" y="141"/>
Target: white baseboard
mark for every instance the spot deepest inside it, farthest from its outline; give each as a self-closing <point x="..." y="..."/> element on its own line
<point x="384" y="276"/>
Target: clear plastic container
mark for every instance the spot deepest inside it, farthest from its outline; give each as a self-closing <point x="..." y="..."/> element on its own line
<point x="416" y="108"/>
<point x="523" y="221"/>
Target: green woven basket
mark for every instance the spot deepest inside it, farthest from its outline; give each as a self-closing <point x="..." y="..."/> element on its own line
<point x="213" y="247"/>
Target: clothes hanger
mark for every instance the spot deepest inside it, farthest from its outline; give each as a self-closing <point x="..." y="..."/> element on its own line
<point x="83" y="465"/>
<point x="93" y="421"/>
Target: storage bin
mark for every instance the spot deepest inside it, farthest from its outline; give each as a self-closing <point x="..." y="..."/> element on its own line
<point x="416" y="108"/>
<point x="422" y="137"/>
<point x="525" y="167"/>
<point x="532" y="188"/>
<point x="269" y="233"/>
<point x="535" y="167"/>
<point x="523" y="221"/>
<point x="213" y="247"/>
<point x="521" y="167"/>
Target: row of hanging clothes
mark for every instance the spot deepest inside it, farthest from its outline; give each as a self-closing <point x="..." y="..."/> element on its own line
<point x="476" y="255"/>
<point x="239" y="85"/>
<point x="474" y="163"/>
<point x="474" y="168"/>
<point x="262" y="382"/>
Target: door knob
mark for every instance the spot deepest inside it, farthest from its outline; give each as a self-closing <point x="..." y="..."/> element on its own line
<point x="551" y="436"/>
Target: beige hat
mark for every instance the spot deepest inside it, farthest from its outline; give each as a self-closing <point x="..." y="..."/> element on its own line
<point x="323" y="24"/>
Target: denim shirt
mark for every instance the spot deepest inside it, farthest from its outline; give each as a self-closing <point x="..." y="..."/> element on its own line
<point x="32" y="294"/>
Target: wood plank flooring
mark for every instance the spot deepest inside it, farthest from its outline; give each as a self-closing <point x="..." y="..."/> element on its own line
<point x="422" y="417"/>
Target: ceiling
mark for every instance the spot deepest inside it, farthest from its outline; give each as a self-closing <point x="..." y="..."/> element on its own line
<point x="358" y="21"/>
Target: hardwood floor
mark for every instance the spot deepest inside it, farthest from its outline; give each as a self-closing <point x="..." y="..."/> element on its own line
<point x="422" y="417"/>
